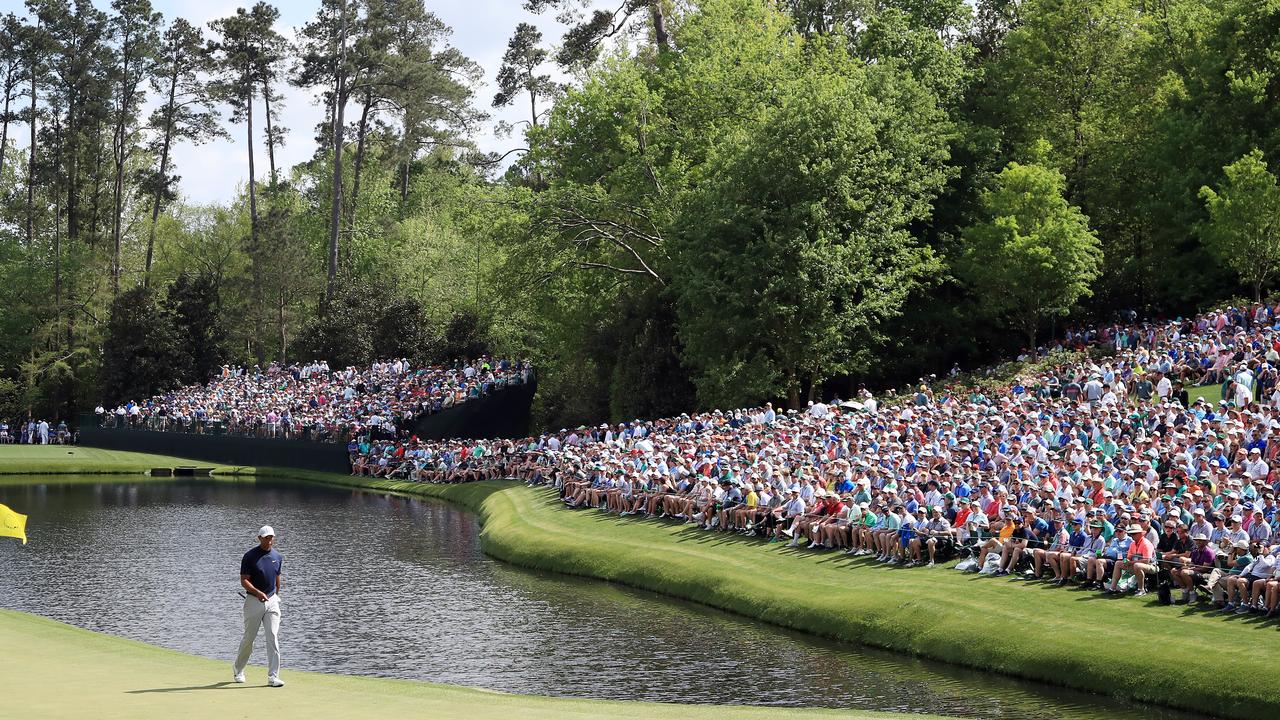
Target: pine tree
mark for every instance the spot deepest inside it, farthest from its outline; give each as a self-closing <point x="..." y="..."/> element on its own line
<point x="134" y="29"/>
<point x="188" y="114"/>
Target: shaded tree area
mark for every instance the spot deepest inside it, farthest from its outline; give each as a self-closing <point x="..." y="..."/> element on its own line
<point x="96" y="98"/>
<point x="157" y="342"/>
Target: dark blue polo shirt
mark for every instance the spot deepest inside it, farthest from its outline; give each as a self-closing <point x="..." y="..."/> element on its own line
<point x="262" y="567"/>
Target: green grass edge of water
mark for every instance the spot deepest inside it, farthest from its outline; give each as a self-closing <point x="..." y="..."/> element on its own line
<point x="1127" y="648"/>
<point x="61" y="671"/>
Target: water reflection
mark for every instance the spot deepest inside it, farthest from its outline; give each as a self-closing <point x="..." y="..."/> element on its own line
<point x="391" y="586"/>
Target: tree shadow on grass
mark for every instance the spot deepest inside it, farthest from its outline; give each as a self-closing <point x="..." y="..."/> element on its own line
<point x="215" y="686"/>
<point x="1260" y="620"/>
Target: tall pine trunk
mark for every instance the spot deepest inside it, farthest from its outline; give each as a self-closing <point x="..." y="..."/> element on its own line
<point x="339" y="125"/>
<point x="4" y="121"/>
<point x="119" y="156"/>
<point x="280" y="326"/>
<point x="73" y="152"/>
<point x="255" y="242"/>
<point x="660" y="35"/>
<point x="31" y="168"/>
<point x="359" y="161"/>
<point x="163" y="178"/>
<point x="271" y="138"/>
<point x="57" y="230"/>
<point x="95" y="210"/>
<point x="117" y="198"/>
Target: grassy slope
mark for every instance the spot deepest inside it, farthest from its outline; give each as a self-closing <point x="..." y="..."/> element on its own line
<point x="1211" y="393"/>
<point x="1131" y="648"/>
<point x="65" y="672"/>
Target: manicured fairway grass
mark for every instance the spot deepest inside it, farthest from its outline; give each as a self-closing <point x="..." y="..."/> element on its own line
<point x="52" y="670"/>
<point x="77" y="460"/>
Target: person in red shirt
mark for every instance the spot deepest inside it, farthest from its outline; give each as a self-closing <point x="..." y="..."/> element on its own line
<point x="996" y="510"/>
<point x="823" y="533"/>
<point x="1096" y="491"/>
<point x="1137" y="561"/>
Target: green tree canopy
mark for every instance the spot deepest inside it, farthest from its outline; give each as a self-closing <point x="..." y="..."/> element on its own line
<point x="1244" y="220"/>
<point x="1034" y="255"/>
<point x="798" y="235"/>
<point x="142" y="353"/>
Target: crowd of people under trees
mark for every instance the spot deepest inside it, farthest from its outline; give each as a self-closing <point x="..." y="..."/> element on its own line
<point x="1094" y="466"/>
<point x="311" y="401"/>
<point x="36" y="431"/>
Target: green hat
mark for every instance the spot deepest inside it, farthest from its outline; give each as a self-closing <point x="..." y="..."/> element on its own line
<point x="1096" y="524"/>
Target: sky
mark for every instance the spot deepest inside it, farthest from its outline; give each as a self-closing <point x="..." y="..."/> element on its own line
<point x="212" y="172"/>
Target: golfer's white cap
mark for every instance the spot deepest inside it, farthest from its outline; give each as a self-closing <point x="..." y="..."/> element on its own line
<point x="266" y="531"/>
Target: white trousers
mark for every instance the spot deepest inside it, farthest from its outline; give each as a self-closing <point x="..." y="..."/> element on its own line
<point x="266" y="615"/>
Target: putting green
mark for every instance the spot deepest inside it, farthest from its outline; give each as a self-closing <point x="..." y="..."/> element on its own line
<point x="52" y="670"/>
<point x="78" y="460"/>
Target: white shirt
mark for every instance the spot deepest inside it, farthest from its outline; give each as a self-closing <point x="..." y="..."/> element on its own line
<point x="1245" y="378"/>
<point x="1256" y="469"/>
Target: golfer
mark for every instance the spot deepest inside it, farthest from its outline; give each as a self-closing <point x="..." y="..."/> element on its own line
<point x="260" y="575"/>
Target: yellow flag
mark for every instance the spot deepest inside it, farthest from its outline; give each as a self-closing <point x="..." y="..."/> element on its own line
<point x="13" y="524"/>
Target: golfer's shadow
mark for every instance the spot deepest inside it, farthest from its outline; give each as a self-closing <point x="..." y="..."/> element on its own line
<point x="214" y="686"/>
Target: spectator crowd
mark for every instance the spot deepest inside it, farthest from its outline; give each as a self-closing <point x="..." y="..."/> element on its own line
<point x="312" y="401"/>
<point x="1093" y="465"/>
<point x="36" y="432"/>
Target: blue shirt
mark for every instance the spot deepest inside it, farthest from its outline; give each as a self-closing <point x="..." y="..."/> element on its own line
<point x="1041" y="529"/>
<point x="262" y="567"/>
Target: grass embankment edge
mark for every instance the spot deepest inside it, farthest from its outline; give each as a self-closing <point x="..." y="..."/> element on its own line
<point x="81" y="460"/>
<point x="1135" y="653"/>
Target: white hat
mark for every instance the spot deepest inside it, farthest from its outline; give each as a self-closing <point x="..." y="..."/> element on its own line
<point x="266" y="531"/>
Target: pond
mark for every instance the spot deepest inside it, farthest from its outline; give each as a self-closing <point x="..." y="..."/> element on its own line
<point x="390" y="586"/>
